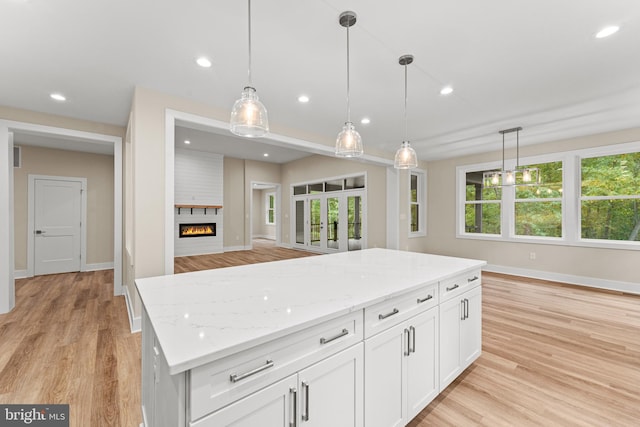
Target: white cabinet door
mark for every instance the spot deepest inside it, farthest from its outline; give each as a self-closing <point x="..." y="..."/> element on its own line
<point x="272" y="406"/>
<point x="401" y="371"/>
<point x="450" y="318"/>
<point x="331" y="391"/>
<point x="384" y="374"/>
<point x="422" y="362"/>
<point x="471" y="327"/>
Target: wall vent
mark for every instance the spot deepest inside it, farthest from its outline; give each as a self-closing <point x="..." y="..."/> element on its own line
<point x="17" y="156"/>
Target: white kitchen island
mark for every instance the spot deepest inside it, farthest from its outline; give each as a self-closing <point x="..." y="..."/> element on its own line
<point x="364" y="338"/>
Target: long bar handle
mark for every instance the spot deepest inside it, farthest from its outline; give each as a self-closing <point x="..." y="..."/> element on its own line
<point x="305" y="415"/>
<point x="462" y="310"/>
<point x="384" y="316"/>
<point x="472" y="279"/>
<point x="412" y="331"/>
<point x="294" y="419"/>
<point x="453" y="287"/>
<point x="466" y="308"/>
<point x="427" y="298"/>
<point x="235" y="378"/>
<point x="408" y="334"/>
<point x="340" y="335"/>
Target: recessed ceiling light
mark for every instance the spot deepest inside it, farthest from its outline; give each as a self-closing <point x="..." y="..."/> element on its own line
<point x="266" y="154"/>
<point x="447" y="90"/>
<point x="203" y="62"/>
<point x="186" y="141"/>
<point x="365" y="120"/>
<point x="303" y="99"/>
<point x="58" y="97"/>
<point x="607" y="31"/>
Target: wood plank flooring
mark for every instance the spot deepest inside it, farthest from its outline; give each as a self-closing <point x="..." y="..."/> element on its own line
<point x="553" y="355"/>
<point x="68" y="341"/>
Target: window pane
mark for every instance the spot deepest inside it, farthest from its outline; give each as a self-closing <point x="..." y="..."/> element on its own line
<point x="316" y="188"/>
<point x="355" y="222"/>
<point x="414" y="217"/>
<point x="476" y="191"/>
<point x="333" y="185"/>
<point x="271" y="217"/>
<point x="539" y="219"/>
<point x="354" y="182"/>
<point x="611" y="175"/>
<point x="550" y="179"/>
<point x="300" y="222"/>
<point x="482" y="218"/>
<point x="271" y="202"/>
<point x="314" y="225"/>
<point x="333" y="214"/>
<point x="611" y="219"/>
<point x="300" y="189"/>
<point x="414" y="188"/>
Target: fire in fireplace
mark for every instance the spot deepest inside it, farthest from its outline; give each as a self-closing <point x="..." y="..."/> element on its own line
<point x="197" y="230"/>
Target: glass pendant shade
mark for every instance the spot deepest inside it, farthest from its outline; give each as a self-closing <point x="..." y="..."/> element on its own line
<point x="405" y="157"/>
<point x="528" y="176"/>
<point x="349" y="142"/>
<point x="249" y="115"/>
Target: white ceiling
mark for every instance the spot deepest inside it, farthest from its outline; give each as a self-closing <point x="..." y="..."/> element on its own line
<point x="534" y="64"/>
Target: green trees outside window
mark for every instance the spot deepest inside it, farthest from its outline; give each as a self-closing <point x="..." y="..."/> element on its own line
<point x="610" y="197"/>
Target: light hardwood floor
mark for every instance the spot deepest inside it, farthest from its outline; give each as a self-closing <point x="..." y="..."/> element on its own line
<point x="553" y="355"/>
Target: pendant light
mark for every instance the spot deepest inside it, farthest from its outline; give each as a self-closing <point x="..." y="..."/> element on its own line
<point x="509" y="177"/>
<point x="405" y="156"/>
<point x="348" y="142"/>
<point x="249" y="116"/>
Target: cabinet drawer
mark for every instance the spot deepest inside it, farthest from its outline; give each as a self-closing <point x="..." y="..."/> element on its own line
<point x="388" y="313"/>
<point x="459" y="284"/>
<point x="224" y="381"/>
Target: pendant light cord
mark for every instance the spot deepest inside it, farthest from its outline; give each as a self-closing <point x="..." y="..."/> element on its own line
<point x="517" y="149"/>
<point x="249" y="26"/>
<point x="503" y="153"/>
<point x="348" y="105"/>
<point x="406" y="133"/>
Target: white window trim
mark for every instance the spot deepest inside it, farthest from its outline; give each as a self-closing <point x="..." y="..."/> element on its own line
<point x="266" y="207"/>
<point x="422" y="203"/>
<point x="571" y="198"/>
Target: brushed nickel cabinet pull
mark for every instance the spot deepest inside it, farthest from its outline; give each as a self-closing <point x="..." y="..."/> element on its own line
<point x="428" y="297"/>
<point x="462" y="310"/>
<point x="305" y="415"/>
<point x="408" y="335"/>
<point x="294" y="419"/>
<point x="235" y="378"/>
<point x="453" y="287"/>
<point x="384" y="316"/>
<point x="472" y="279"/>
<point x="340" y="335"/>
<point x="412" y="330"/>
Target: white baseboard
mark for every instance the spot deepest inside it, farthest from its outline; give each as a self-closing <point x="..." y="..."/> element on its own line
<point x="99" y="266"/>
<point x="264" y="236"/>
<point x="591" y="282"/>
<point x="135" y="323"/>
<point x="20" y="274"/>
<point x="236" y="248"/>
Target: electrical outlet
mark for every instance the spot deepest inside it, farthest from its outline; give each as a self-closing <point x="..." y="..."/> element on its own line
<point x="532" y="255"/>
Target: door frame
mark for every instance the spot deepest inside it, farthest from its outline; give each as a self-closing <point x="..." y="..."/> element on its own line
<point x="343" y="197"/>
<point x="278" y="190"/>
<point x="31" y="199"/>
<point x="7" y="280"/>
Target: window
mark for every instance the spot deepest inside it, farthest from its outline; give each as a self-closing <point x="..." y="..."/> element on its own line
<point x="587" y="197"/>
<point x="270" y="208"/>
<point x="417" y="208"/>
<point x="538" y="207"/>
<point x="610" y="197"/>
<point x="482" y="210"/>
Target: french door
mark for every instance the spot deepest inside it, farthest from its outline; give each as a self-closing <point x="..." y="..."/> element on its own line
<point x="331" y="222"/>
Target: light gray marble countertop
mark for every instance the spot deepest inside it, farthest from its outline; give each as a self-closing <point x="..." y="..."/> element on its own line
<point x="203" y="316"/>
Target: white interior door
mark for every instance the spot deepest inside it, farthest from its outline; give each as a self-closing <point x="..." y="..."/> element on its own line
<point x="57" y="226"/>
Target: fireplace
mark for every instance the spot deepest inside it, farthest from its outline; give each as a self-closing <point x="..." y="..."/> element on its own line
<point x="197" y="230"/>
